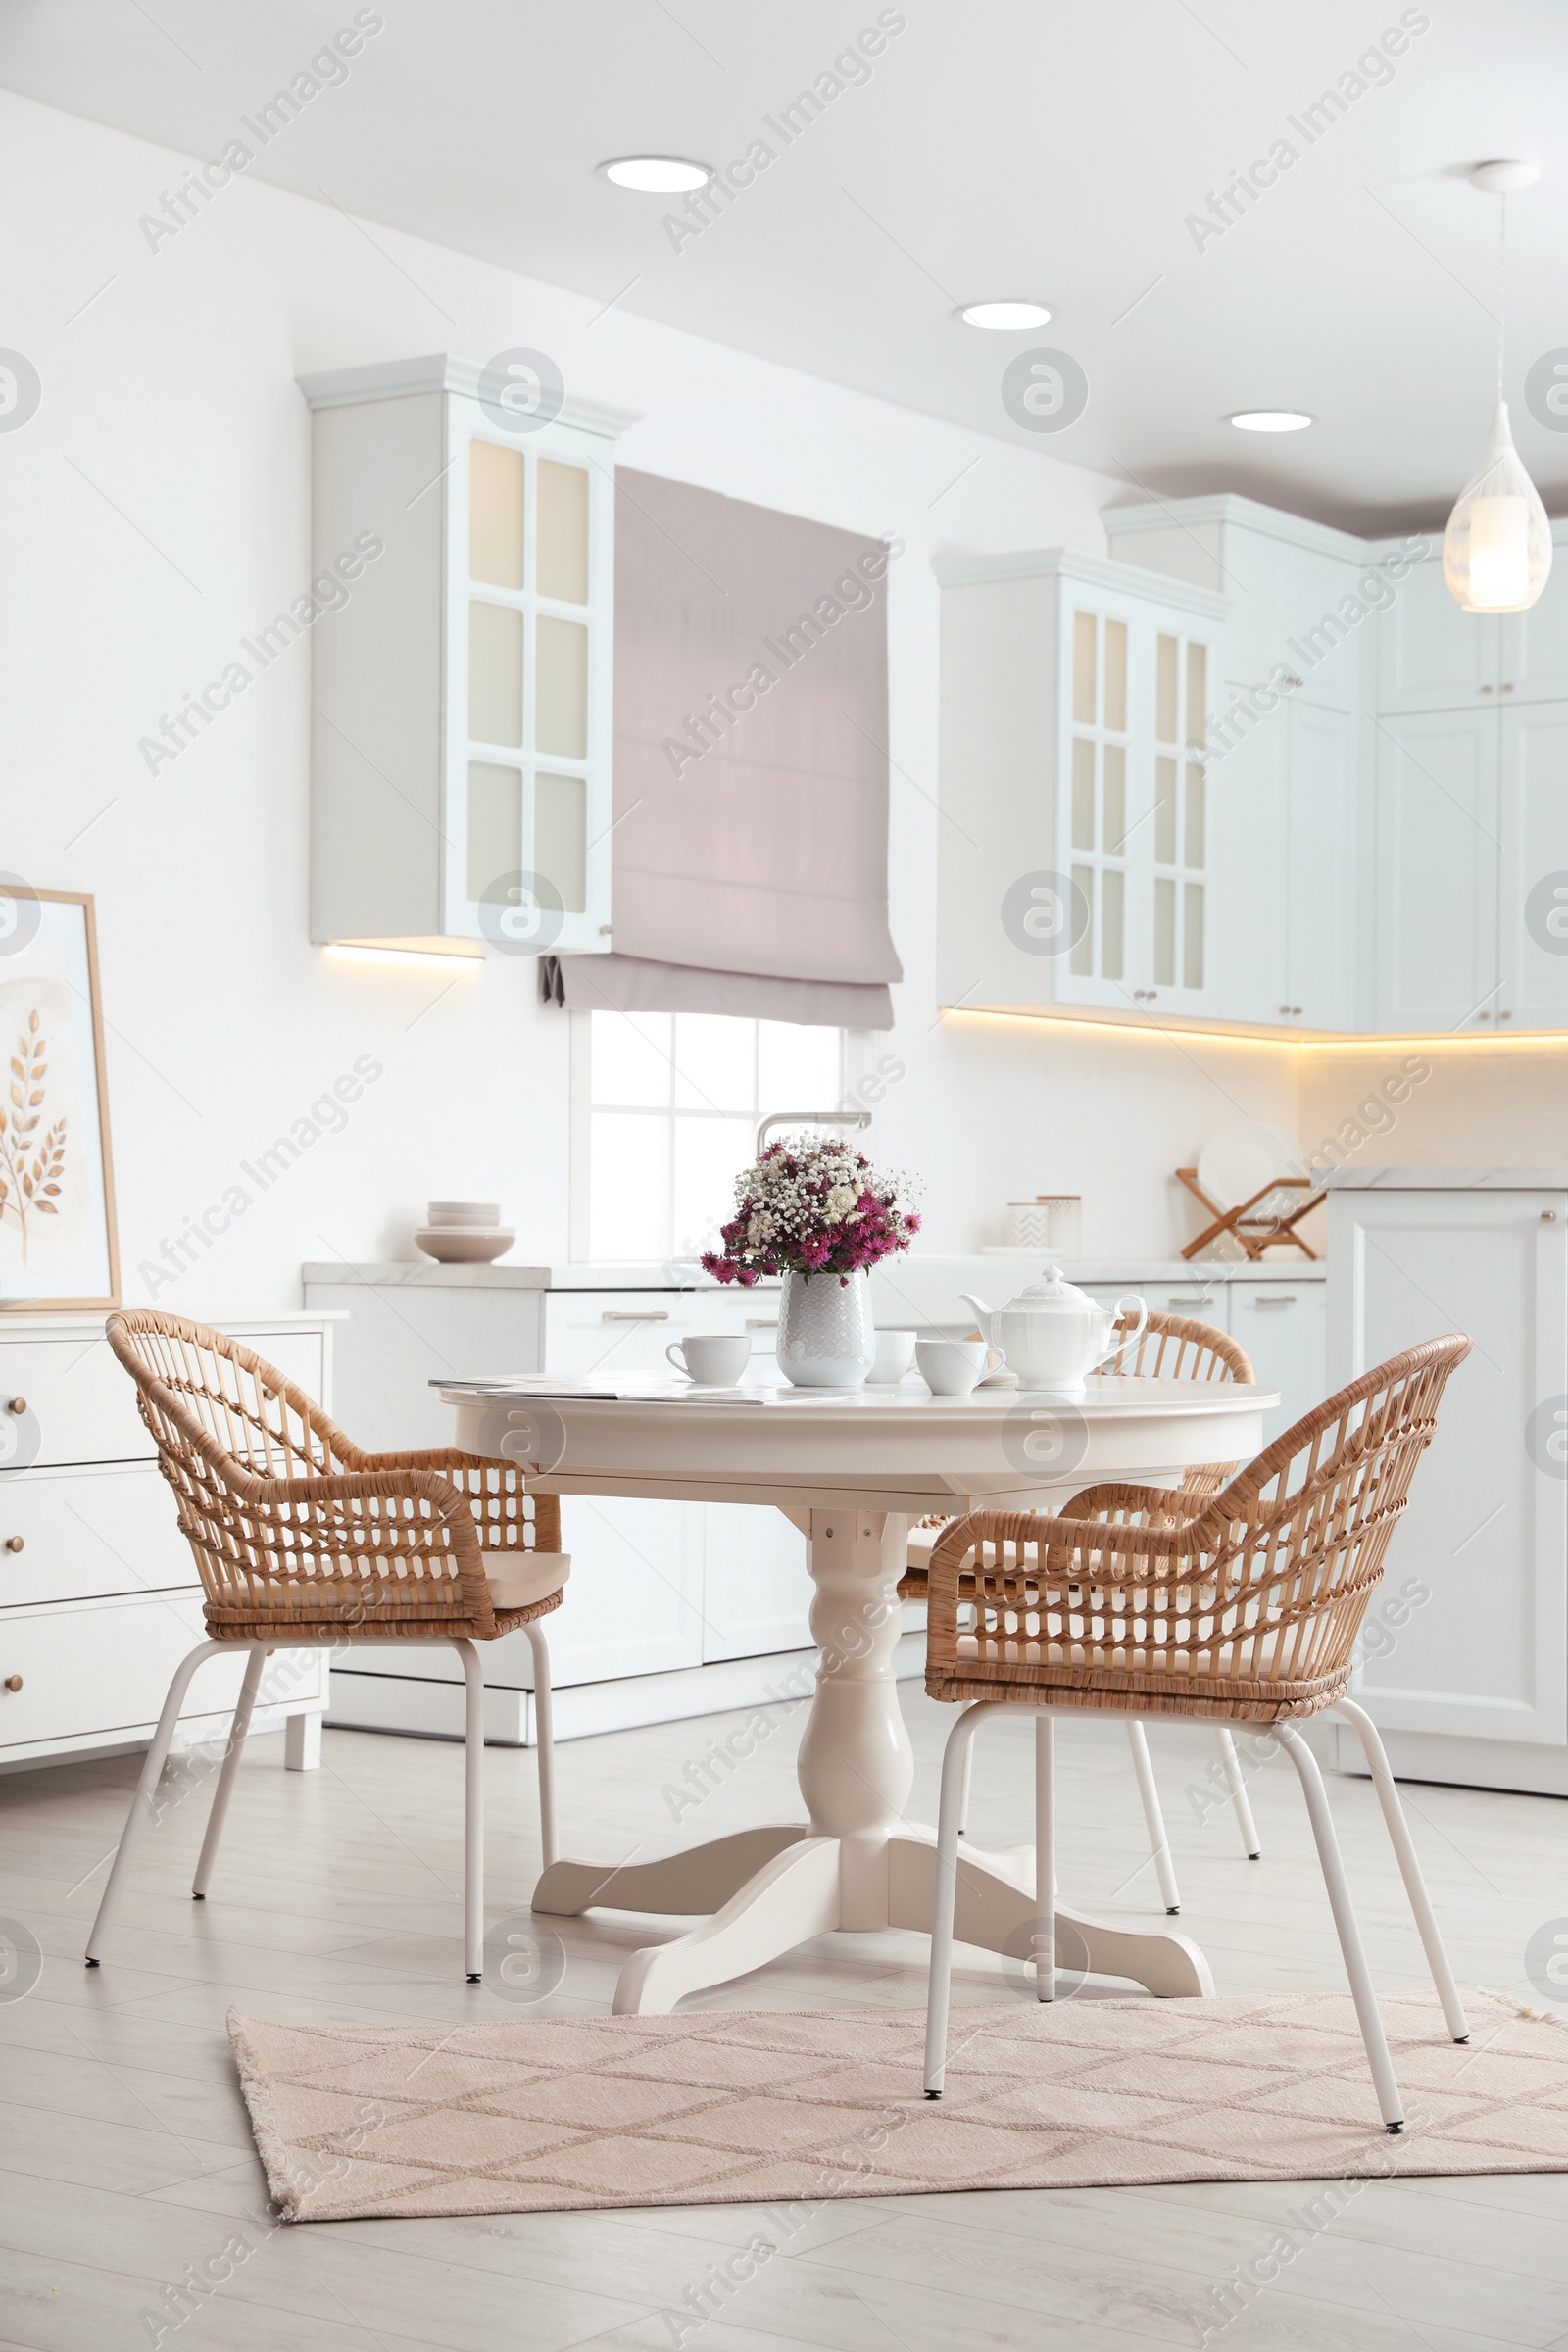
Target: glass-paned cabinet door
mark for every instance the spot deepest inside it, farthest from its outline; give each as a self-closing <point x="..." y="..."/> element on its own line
<point x="529" y="596"/>
<point x="1097" y="820"/>
<point x="1177" y="948"/>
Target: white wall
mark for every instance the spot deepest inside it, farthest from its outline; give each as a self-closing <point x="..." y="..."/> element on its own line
<point x="156" y="510"/>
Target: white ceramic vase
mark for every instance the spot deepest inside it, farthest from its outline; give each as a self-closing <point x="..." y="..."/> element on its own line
<point x="825" y="1339"/>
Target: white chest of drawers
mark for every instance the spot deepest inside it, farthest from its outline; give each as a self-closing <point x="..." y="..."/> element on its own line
<point x="99" y="1594"/>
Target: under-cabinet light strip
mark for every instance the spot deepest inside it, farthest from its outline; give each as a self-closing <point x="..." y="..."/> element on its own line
<point x="1544" y="1040"/>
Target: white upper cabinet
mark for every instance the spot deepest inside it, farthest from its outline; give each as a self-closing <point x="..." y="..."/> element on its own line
<point x="1533" y="843"/>
<point x="1323" y="861"/>
<point x="463" y="680"/>
<point x="1432" y="656"/>
<point x="1077" y="858"/>
<point x="1437" y="872"/>
<point x="1534" y="660"/>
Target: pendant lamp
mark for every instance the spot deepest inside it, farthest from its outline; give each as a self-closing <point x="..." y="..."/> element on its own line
<point x="1496" y="551"/>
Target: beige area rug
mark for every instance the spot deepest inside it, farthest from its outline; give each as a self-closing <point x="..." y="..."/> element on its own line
<point x="739" y="2106"/>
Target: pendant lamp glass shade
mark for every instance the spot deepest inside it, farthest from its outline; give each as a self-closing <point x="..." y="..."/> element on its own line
<point x="1496" y="551"/>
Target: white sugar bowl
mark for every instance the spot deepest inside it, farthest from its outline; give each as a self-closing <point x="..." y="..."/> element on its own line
<point x="1054" y="1335"/>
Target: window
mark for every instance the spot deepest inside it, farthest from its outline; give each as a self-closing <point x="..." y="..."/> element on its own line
<point x="666" y="1107"/>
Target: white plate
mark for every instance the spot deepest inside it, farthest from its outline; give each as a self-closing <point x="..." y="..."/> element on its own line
<point x="1242" y="1159"/>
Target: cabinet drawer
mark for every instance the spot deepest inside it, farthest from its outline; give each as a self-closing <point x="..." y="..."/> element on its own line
<point x="88" y="1533"/>
<point x="1200" y="1301"/>
<point x="103" y="1668"/>
<point x="628" y="1331"/>
<point x="81" y="1405"/>
<point x="1282" y="1327"/>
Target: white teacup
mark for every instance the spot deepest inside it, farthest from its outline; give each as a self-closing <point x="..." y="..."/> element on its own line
<point x="895" y="1353"/>
<point x="952" y="1367"/>
<point x="714" y="1359"/>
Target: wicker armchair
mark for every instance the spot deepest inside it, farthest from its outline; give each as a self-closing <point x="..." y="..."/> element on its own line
<point x="303" y="1539"/>
<point x="1242" y="1607"/>
<point x="1169" y="1347"/>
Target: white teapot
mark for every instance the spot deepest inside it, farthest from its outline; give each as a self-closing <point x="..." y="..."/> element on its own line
<point x="1054" y="1333"/>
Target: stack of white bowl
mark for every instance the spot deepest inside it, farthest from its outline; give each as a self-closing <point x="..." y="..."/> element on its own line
<point x="464" y="1233"/>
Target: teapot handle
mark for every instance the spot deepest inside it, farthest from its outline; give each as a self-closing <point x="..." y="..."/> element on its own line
<point x="1120" y="1347"/>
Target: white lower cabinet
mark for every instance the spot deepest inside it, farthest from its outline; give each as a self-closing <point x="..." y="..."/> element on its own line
<point x="1281" y="1323"/>
<point x="99" y="1593"/>
<point x="757" y="1595"/>
<point x="1465" y="1657"/>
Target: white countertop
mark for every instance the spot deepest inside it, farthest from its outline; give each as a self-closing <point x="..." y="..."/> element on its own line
<point x="1448" y="1180"/>
<point x="999" y="1270"/>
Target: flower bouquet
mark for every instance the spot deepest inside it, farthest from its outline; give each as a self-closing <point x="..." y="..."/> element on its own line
<point x="814" y="1207"/>
<point x="810" y="1205"/>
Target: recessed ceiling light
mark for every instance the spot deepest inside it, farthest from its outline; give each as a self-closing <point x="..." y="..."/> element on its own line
<point x="1271" y="420"/>
<point x="656" y="174"/>
<point x="1005" y="318"/>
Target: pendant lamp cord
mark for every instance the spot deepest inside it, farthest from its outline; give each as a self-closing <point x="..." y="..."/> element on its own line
<point x="1502" y="280"/>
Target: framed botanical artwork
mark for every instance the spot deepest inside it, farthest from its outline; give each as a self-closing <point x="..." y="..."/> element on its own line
<point x="58" y="1245"/>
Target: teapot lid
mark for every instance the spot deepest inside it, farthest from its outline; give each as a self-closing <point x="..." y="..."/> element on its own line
<point x="1052" y="1294"/>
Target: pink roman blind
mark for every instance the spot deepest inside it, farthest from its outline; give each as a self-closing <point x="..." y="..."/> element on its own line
<point x="750" y="766"/>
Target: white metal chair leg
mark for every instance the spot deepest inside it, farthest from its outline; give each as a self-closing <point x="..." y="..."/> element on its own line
<point x="473" y="1813"/>
<point x="1164" y="1867"/>
<point x="143" y="1803"/>
<point x="939" y="1992"/>
<point x="544" y="1726"/>
<point x="1375" y="2041"/>
<point x="1042" y="1935"/>
<point x="1232" y="1763"/>
<point x="1415" y="1886"/>
<point x="963" y="1793"/>
<point x="226" y="1777"/>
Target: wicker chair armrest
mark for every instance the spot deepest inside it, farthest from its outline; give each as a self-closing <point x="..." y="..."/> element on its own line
<point x="447" y="1459"/>
<point x="1130" y="1506"/>
<point x="1070" y="1549"/>
<point x="387" y="1484"/>
<point x="435" y="1457"/>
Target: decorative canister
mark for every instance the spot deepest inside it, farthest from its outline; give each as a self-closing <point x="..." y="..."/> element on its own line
<point x="1052" y="1221"/>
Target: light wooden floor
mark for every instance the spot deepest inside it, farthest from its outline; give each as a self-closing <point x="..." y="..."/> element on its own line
<point x="126" y="2158"/>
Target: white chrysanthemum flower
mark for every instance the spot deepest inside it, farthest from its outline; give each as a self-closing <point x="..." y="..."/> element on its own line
<point x="840" y="1201"/>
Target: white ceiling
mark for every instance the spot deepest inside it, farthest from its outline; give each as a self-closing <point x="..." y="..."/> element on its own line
<point x="1047" y="147"/>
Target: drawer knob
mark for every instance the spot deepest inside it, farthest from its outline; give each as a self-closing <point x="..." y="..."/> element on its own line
<point x="18" y="1405"/>
<point x="12" y="1682"/>
<point x="15" y="1544"/>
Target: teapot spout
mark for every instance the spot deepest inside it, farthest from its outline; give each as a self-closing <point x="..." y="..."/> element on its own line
<point x="970" y="1299"/>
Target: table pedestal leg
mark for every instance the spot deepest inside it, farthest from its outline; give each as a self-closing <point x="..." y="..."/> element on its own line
<point x="860" y="1863"/>
<point x="996" y="1910"/>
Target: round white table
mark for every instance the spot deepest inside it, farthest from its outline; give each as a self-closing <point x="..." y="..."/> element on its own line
<point x="851" y="1470"/>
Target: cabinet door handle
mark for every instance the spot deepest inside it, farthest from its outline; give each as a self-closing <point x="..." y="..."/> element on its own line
<point x="1275" y="1298"/>
<point x="12" y="1682"/>
<point x="760" y="1323"/>
<point x="636" y="1315"/>
<point x="15" y="1544"/>
<point x="1198" y="1299"/>
<point x="18" y="1405"/>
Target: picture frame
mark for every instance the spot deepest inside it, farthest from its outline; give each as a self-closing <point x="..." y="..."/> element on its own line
<point x="59" y="1238"/>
